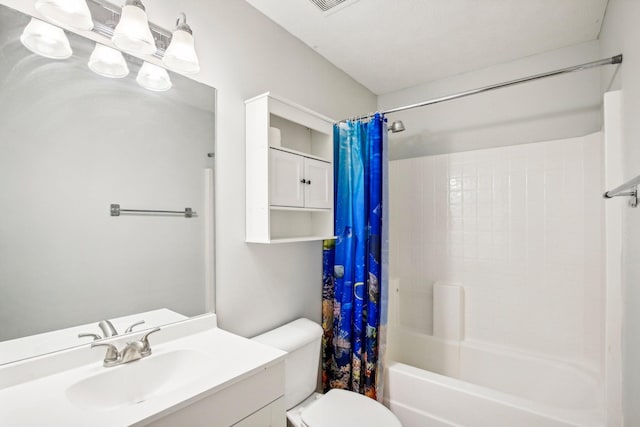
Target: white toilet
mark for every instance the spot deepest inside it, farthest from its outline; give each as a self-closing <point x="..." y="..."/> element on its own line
<point x="338" y="408"/>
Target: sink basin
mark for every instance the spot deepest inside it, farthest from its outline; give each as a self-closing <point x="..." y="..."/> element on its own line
<point x="135" y="382"/>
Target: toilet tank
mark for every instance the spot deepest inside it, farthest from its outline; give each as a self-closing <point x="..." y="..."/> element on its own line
<point x="301" y="340"/>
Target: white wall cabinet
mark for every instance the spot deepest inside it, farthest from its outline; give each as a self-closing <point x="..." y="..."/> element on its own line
<point x="298" y="181"/>
<point x="290" y="185"/>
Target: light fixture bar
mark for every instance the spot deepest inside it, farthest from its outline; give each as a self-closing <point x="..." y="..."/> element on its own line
<point x="105" y="13"/>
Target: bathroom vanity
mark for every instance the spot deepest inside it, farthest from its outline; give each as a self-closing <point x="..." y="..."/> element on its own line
<point x="197" y="375"/>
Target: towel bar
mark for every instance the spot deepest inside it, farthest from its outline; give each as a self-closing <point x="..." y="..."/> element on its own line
<point x="116" y="210"/>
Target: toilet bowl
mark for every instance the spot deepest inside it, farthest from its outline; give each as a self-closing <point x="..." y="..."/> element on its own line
<point x="301" y="340"/>
<point x="339" y="408"/>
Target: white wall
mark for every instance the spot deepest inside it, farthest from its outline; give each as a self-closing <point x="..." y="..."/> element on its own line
<point x="520" y="228"/>
<point x="621" y="34"/>
<point x="243" y="54"/>
<point x="554" y="108"/>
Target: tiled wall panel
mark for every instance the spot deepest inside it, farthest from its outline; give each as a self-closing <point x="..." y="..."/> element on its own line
<point x="521" y="229"/>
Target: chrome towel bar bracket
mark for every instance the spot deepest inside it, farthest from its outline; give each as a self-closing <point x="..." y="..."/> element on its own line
<point x="116" y="211"/>
<point x="633" y="202"/>
<point x="621" y="190"/>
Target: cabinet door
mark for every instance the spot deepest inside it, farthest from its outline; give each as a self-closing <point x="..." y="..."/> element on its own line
<point x="272" y="415"/>
<point x="285" y="179"/>
<point x="318" y="191"/>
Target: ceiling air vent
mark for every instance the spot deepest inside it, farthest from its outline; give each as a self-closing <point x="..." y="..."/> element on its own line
<point x="326" y="5"/>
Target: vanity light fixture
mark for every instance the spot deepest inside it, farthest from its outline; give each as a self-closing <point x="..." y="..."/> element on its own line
<point x="181" y="55"/>
<point x="73" y="13"/>
<point x="153" y="77"/>
<point x="108" y="62"/>
<point x="46" y="40"/>
<point x="132" y="34"/>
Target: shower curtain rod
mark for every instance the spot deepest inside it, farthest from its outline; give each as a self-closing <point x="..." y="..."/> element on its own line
<point x="608" y="61"/>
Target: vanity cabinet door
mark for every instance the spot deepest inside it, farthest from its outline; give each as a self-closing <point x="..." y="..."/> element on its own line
<point x="269" y="416"/>
<point x="255" y="401"/>
<point x="318" y="191"/>
<point x="286" y="175"/>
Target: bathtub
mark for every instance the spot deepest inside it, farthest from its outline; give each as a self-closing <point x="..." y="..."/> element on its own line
<point x="488" y="387"/>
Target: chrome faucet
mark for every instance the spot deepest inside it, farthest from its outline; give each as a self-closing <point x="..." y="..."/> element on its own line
<point x="112" y="357"/>
<point x="134" y="350"/>
<point x="107" y="328"/>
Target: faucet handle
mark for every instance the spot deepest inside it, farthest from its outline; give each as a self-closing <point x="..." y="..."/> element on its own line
<point x="112" y="356"/>
<point x="146" y="346"/>
<point x="94" y="336"/>
<point x="130" y="328"/>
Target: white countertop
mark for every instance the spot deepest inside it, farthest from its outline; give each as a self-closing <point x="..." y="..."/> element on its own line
<point x="47" y="342"/>
<point x="32" y="396"/>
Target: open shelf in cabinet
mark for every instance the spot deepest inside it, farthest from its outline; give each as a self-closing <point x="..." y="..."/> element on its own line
<point x="302" y="140"/>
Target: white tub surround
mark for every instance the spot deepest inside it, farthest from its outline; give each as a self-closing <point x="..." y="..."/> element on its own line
<point x="614" y="232"/>
<point x="448" y="311"/>
<point x="519" y="374"/>
<point x="499" y="284"/>
<point x="421" y="398"/>
<point x="205" y="376"/>
<point x="520" y="228"/>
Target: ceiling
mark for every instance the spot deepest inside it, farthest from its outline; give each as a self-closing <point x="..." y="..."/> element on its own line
<point x="388" y="45"/>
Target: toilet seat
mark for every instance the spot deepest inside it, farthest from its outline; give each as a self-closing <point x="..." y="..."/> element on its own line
<point x="341" y="408"/>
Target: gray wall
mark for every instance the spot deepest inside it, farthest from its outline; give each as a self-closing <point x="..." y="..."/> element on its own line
<point x="621" y="34"/>
<point x="259" y="287"/>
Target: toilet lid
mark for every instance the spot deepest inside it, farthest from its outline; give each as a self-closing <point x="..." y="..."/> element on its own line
<point x="341" y="408"/>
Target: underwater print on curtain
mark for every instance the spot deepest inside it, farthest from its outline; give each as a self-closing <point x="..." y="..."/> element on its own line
<point x="352" y="264"/>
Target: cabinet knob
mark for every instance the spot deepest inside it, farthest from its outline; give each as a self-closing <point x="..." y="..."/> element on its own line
<point x="309" y="182"/>
<point x="304" y="181"/>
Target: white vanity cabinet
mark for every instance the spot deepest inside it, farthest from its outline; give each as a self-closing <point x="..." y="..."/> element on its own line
<point x="289" y="183"/>
<point x="273" y="415"/>
<point x="256" y="401"/>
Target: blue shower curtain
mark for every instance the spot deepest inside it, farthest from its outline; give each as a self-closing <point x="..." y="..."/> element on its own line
<point x="352" y="264"/>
